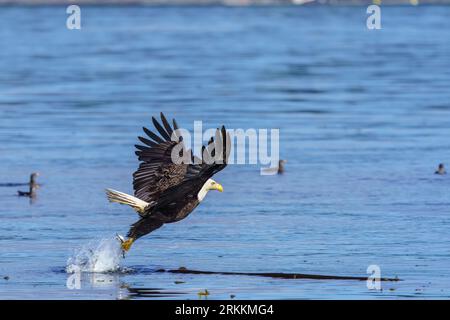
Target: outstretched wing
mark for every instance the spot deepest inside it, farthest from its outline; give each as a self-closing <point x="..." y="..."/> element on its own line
<point x="214" y="157"/>
<point x="157" y="172"/>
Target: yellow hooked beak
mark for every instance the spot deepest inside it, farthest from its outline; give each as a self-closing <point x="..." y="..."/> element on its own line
<point x="217" y="187"/>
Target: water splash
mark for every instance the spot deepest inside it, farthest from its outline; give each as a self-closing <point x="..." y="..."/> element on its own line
<point x="103" y="256"/>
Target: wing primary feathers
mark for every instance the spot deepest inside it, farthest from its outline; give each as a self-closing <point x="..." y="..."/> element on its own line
<point x="147" y="142"/>
<point x="224" y="133"/>
<point x="160" y="129"/>
<point x="210" y="141"/>
<point x="175" y="133"/>
<point x="166" y="124"/>
<point x="203" y="152"/>
<point x="175" y="124"/>
<point x="218" y="136"/>
<point x="226" y="144"/>
<point x="142" y="148"/>
<point x="152" y="135"/>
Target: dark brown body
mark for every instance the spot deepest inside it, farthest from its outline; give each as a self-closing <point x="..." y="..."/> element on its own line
<point x="167" y="211"/>
<point x="181" y="211"/>
<point x="174" y="204"/>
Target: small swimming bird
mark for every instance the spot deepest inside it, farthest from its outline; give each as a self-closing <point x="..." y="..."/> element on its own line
<point x="33" y="187"/>
<point x="441" y="169"/>
<point x="281" y="164"/>
<point x="276" y="170"/>
<point x="166" y="192"/>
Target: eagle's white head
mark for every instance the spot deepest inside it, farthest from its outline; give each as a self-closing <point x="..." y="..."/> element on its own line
<point x="209" y="185"/>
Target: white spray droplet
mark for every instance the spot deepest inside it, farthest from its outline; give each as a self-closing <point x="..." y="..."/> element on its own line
<point x="105" y="256"/>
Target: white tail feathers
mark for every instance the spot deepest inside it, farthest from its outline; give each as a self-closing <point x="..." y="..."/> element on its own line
<point x="123" y="198"/>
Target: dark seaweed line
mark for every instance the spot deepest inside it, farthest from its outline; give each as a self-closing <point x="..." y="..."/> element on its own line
<point x="278" y="275"/>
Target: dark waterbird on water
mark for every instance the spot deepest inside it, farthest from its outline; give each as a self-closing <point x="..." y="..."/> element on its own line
<point x="281" y="164"/>
<point x="166" y="192"/>
<point x="441" y="170"/>
<point x="276" y="170"/>
<point x="33" y="187"/>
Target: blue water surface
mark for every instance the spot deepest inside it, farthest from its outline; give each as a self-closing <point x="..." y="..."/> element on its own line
<point x="364" y="119"/>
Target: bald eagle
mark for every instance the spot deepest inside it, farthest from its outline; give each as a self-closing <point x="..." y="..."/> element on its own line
<point x="166" y="191"/>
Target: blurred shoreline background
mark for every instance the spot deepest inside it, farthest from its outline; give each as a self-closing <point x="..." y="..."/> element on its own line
<point x="224" y="2"/>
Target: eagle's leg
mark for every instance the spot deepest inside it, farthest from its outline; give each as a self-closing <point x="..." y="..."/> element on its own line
<point x="126" y="245"/>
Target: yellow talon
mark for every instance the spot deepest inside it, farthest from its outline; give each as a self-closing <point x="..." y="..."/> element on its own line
<point x="126" y="245"/>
